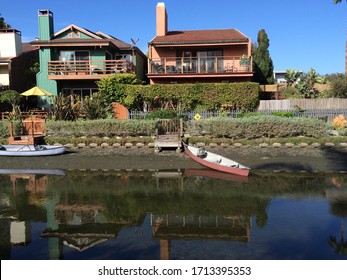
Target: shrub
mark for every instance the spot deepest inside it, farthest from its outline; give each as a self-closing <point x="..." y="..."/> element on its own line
<point x="94" y="108"/>
<point x="4" y="129"/>
<point x="339" y="87"/>
<point x="291" y="92"/>
<point x="339" y="121"/>
<point x="248" y="114"/>
<point x="283" y="114"/>
<point x="100" y="128"/>
<point x="258" y="127"/>
<point x="63" y="109"/>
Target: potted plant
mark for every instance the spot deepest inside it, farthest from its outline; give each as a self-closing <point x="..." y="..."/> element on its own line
<point x="244" y="62"/>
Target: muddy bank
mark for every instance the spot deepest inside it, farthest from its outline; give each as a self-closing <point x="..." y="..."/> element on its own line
<point x="333" y="159"/>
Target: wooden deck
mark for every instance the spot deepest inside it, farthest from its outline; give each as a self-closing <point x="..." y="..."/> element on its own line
<point x="169" y="134"/>
<point x="168" y="141"/>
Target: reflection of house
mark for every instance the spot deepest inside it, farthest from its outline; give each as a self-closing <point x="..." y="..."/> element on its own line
<point x="15" y="59"/>
<point x="168" y="227"/>
<point x="34" y="183"/>
<point x="197" y="56"/>
<point x="72" y="59"/>
<point x="195" y="227"/>
<point x="81" y="226"/>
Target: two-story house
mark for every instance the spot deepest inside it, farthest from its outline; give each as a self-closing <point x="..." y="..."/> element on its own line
<point x="74" y="58"/>
<point x="15" y="60"/>
<point x="190" y="56"/>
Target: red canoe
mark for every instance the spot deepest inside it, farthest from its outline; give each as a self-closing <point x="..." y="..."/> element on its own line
<point x="215" y="161"/>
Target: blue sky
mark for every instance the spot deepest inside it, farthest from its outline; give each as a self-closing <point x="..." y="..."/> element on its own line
<point x="302" y="33"/>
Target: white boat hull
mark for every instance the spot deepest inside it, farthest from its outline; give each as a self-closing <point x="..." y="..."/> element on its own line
<point x="216" y="162"/>
<point x="31" y="150"/>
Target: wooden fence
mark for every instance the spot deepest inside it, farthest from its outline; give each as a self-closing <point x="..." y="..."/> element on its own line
<point x="305" y="104"/>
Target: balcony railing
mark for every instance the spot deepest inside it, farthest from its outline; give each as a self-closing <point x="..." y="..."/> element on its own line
<point x="200" y="65"/>
<point x="90" y="67"/>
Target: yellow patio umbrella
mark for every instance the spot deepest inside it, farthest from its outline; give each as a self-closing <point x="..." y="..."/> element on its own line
<point x="36" y="91"/>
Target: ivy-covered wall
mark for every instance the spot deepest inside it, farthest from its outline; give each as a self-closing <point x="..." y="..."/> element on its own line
<point x="206" y="96"/>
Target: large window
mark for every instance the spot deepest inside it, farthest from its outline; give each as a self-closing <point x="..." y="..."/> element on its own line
<point x="75" y="60"/>
<point x="74" y="55"/>
<point x="186" y="61"/>
<point x="210" y="61"/>
<point x="201" y="61"/>
<point x="79" y="93"/>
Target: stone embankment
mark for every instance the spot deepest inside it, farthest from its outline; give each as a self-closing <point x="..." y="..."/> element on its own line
<point x="211" y="145"/>
<point x="328" y="157"/>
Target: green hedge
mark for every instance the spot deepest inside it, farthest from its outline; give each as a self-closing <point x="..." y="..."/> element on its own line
<point x="234" y="128"/>
<point x="259" y="126"/>
<point x="100" y="128"/>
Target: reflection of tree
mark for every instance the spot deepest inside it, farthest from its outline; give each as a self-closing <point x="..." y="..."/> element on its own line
<point x="338" y="208"/>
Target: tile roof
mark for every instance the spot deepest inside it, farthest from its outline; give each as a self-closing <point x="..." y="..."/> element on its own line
<point x="201" y="36"/>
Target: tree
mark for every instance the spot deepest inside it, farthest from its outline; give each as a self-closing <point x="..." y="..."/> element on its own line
<point x="12" y="97"/>
<point x="291" y="76"/>
<point x="3" y="24"/>
<point x="114" y="89"/>
<point x="262" y="62"/>
<point x="339" y="86"/>
<point x="338" y="1"/>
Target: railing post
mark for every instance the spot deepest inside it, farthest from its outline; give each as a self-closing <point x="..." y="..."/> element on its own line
<point x="11" y="129"/>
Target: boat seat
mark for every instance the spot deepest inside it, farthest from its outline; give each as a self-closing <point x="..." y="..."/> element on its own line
<point x="39" y="147"/>
<point x="219" y="160"/>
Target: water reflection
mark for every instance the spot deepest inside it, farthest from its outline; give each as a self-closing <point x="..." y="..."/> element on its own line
<point x="173" y="214"/>
<point x="338" y="207"/>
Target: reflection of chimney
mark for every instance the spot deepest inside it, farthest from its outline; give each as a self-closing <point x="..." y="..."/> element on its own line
<point x="161" y="19"/>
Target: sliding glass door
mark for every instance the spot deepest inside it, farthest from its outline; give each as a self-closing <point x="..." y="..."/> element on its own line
<point x="75" y="60"/>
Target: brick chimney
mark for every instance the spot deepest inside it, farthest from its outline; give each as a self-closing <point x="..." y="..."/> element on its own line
<point x="161" y="20"/>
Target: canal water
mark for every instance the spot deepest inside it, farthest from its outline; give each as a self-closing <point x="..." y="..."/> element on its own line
<point x="172" y="214"/>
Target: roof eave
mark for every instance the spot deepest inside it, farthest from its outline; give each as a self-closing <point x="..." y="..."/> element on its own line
<point x="72" y="44"/>
<point x="218" y="42"/>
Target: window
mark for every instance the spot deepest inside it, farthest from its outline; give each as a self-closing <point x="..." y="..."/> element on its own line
<point x="201" y="61"/>
<point x="74" y="55"/>
<point x="75" y="60"/>
<point x="79" y="93"/>
<point x="186" y="61"/>
<point x="210" y="61"/>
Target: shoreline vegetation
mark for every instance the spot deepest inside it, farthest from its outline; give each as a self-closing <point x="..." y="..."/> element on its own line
<point x="270" y="143"/>
<point x="249" y="130"/>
